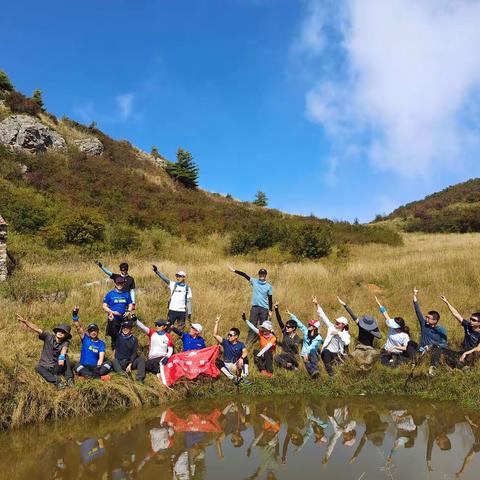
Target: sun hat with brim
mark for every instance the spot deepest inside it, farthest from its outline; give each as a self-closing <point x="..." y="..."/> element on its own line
<point x="314" y="323"/>
<point x="368" y="322"/>
<point x="197" y="327"/>
<point x="392" y="323"/>
<point x="181" y="273"/>
<point x="267" y="325"/>
<point x="65" y="328"/>
<point x="342" y="320"/>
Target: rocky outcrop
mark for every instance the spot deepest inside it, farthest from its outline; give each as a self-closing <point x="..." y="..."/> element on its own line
<point x="89" y="145"/>
<point x="23" y="131"/>
<point x="147" y="157"/>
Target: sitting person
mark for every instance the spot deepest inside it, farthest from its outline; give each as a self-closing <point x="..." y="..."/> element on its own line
<point x="161" y="344"/>
<point x="471" y="340"/>
<point x="263" y="357"/>
<point x="235" y="356"/>
<point x="191" y="340"/>
<point x="365" y="352"/>
<point x="126" y="356"/>
<point x="290" y="344"/>
<point x="337" y="339"/>
<point x="54" y="362"/>
<point x="92" y="356"/>
<point x="311" y="342"/>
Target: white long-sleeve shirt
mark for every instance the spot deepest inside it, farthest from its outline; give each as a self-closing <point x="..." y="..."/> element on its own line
<point x="336" y="340"/>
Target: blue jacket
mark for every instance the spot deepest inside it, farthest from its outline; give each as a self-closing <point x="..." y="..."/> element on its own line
<point x="430" y="335"/>
<point x="309" y="344"/>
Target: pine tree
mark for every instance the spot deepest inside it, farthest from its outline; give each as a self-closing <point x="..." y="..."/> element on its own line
<point x="260" y="199"/>
<point x="5" y="83"/>
<point x="184" y="169"/>
<point x="37" y="98"/>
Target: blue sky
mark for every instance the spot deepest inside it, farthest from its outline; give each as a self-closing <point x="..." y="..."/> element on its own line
<point x="342" y="108"/>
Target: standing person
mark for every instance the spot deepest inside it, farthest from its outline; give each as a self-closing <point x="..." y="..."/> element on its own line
<point x="235" y="362"/>
<point x="191" y="340"/>
<point x="263" y="357"/>
<point x="398" y="348"/>
<point x="126" y="356"/>
<point x="365" y="353"/>
<point x="180" y="302"/>
<point x="161" y="344"/>
<point x="471" y="339"/>
<point x="261" y="300"/>
<point x="118" y="305"/>
<point x="92" y="356"/>
<point x="432" y="335"/>
<point x="311" y="342"/>
<point x="54" y="361"/>
<point x="337" y="339"/>
<point x="290" y="343"/>
<point x="129" y="280"/>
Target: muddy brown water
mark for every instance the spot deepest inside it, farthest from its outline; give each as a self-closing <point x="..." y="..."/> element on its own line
<point x="276" y="438"/>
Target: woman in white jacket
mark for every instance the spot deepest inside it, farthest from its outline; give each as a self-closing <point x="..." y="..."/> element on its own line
<point x="337" y="338"/>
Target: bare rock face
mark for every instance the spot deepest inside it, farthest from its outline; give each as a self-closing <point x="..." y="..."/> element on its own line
<point x="24" y="131"/>
<point x="147" y="157"/>
<point x="91" y="146"/>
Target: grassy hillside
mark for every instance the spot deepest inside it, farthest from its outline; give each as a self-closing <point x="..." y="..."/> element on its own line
<point x="455" y="209"/>
<point x="435" y="264"/>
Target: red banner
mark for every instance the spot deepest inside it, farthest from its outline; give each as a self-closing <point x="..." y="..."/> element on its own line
<point x="190" y="364"/>
<point x="195" y="422"/>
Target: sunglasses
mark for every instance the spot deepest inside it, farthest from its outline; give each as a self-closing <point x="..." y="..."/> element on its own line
<point x="231" y="335"/>
<point x="475" y="320"/>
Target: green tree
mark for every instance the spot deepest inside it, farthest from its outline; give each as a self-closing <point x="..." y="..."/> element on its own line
<point x="155" y="153"/>
<point x="260" y="199"/>
<point x="37" y="98"/>
<point x="311" y="241"/>
<point x="184" y="169"/>
<point x="5" y="83"/>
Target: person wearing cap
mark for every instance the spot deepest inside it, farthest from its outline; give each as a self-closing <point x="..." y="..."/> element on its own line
<point x="191" y="340"/>
<point x="365" y="352"/>
<point x="54" y="362"/>
<point x="235" y="355"/>
<point x="92" y="356"/>
<point x="263" y="357"/>
<point x="398" y="348"/>
<point x="161" y="344"/>
<point x="129" y="280"/>
<point x="290" y="343"/>
<point x="311" y="343"/>
<point x="126" y="356"/>
<point x="180" y="301"/>
<point x="433" y="337"/>
<point x="337" y="339"/>
<point x="118" y="304"/>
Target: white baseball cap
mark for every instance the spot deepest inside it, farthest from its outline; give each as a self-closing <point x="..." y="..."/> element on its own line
<point x="342" y="320"/>
<point x="197" y="327"/>
<point x="181" y="273"/>
<point x="267" y="325"/>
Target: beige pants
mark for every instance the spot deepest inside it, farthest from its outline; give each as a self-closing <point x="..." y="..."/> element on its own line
<point x="364" y="356"/>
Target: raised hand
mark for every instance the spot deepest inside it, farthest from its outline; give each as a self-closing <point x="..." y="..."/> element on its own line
<point x="415" y="291"/>
<point x="275" y="305"/>
<point x="154" y="268"/>
<point x="378" y="301"/>
<point x="217" y="318"/>
<point x="97" y="262"/>
<point x="244" y="317"/>
<point x="231" y="268"/>
<point x="314" y="300"/>
<point x="21" y="319"/>
<point x="444" y="298"/>
<point x="341" y="301"/>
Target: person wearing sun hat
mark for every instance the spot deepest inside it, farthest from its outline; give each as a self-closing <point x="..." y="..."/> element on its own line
<point x="191" y="340"/>
<point x="311" y="343"/>
<point x="263" y="357"/>
<point x="54" y="362"/>
<point x="336" y="341"/>
<point x="365" y="352"/>
<point x="180" y="302"/>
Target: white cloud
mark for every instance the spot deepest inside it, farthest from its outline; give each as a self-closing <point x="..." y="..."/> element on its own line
<point x="406" y="79"/>
<point x="125" y="105"/>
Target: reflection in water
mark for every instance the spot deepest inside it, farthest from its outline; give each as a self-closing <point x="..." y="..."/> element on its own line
<point x="263" y="439"/>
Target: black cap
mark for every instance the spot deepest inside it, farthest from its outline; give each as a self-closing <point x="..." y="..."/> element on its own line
<point x="127" y="323"/>
<point x="262" y="271"/>
<point x="65" y="328"/>
<point x="161" y="323"/>
<point x="120" y="280"/>
<point x="92" y="326"/>
<point x="123" y="266"/>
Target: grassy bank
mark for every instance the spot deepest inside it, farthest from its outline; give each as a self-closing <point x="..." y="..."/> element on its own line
<point x="440" y="264"/>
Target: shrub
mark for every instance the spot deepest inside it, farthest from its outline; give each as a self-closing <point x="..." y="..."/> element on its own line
<point x="310" y="241"/>
<point x="37" y="98"/>
<point x="83" y="228"/>
<point x="124" y="238"/>
<point x="5" y="83"/>
<point x="53" y="236"/>
<point x="19" y="103"/>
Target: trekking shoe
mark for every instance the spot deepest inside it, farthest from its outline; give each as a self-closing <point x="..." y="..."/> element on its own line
<point x="105" y="378"/>
<point x="60" y="385"/>
<point x="268" y="374"/>
<point x="315" y="375"/>
<point x="246" y="381"/>
<point x="70" y="382"/>
<point x="264" y="372"/>
<point x="431" y="371"/>
<point x="237" y="380"/>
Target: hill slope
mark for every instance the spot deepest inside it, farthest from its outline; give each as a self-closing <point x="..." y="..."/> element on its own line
<point x="454" y="209"/>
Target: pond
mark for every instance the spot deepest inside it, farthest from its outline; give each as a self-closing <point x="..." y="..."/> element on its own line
<point x="275" y="438"/>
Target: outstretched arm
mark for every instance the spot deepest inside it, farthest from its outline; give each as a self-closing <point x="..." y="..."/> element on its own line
<point x="349" y="310"/>
<point x="250" y="325"/>
<point x="218" y="338"/>
<point x="382" y="309"/>
<point x="140" y="325"/>
<point x="418" y="310"/>
<point x="238" y="272"/>
<point x="278" y="317"/>
<point x="300" y="325"/>
<point x="322" y="315"/>
<point x="452" y="309"/>
<point x="76" y="322"/>
<point x="30" y="325"/>
<point x="161" y="275"/>
<point x="104" y="269"/>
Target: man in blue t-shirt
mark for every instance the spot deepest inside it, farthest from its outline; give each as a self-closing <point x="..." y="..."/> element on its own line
<point x="235" y="356"/>
<point x="262" y="302"/>
<point x="118" y="304"/>
<point x="191" y="340"/>
<point x="92" y="356"/>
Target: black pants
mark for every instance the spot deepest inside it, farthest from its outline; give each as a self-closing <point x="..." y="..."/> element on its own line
<point x="93" y="371"/>
<point x="329" y="360"/>
<point x="152" y="365"/>
<point x="283" y="359"/>
<point x="178" y="317"/>
<point x="265" y="362"/>
<point x="113" y="328"/>
<point x="52" y="374"/>
<point x="257" y="316"/>
<point x="410" y="355"/>
<point x="138" y="364"/>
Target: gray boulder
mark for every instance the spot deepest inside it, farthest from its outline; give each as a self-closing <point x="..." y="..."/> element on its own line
<point x="89" y="145"/>
<point x="23" y="131"/>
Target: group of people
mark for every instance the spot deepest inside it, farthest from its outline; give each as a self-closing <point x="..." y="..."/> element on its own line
<point x="297" y="344"/>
